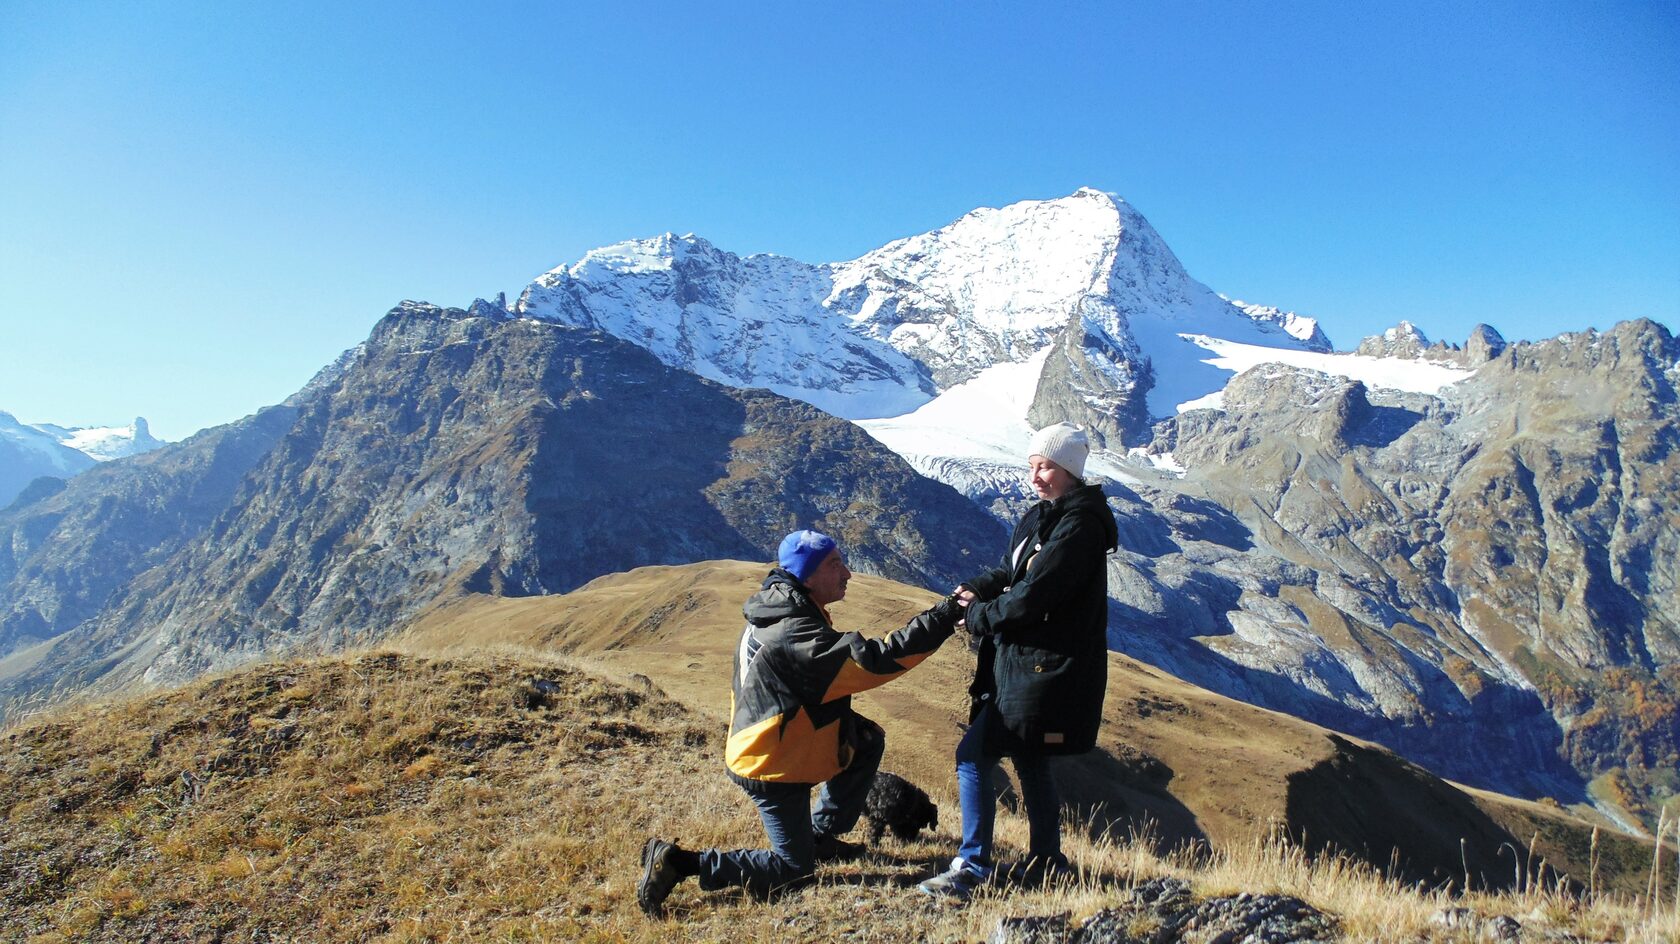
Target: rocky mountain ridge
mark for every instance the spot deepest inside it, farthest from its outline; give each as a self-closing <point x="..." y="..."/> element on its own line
<point x="884" y="333"/>
<point x="30" y="451"/>
<point x="1484" y="576"/>
<point x="451" y="451"/>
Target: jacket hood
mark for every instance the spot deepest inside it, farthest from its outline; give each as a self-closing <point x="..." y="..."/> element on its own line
<point x="1090" y="500"/>
<point x="779" y="597"/>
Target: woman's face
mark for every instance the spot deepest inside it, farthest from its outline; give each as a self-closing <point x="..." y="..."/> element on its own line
<point x="1050" y="480"/>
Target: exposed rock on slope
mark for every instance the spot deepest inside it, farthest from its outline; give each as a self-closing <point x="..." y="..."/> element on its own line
<point x="1453" y="576"/>
<point x="485" y="453"/>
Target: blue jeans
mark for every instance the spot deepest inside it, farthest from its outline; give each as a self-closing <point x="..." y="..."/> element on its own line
<point x="793" y="825"/>
<point x="978" y="792"/>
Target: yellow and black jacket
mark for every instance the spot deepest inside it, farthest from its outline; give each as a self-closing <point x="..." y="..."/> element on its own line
<point x="791" y="707"/>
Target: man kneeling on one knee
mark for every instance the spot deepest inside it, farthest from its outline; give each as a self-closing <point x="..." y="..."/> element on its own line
<point x="792" y="726"/>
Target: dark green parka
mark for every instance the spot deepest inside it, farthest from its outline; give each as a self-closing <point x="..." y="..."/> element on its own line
<point x="1042" y="618"/>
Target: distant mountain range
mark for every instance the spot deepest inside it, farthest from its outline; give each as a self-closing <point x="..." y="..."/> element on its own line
<point x="1465" y="552"/>
<point x="30" y="451"/>
<point x="452" y="452"/>
<point x="887" y="332"/>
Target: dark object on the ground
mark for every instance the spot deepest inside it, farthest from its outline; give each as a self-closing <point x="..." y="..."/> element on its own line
<point x="835" y="849"/>
<point x="1168" y="906"/>
<point x="538" y="694"/>
<point x="897" y="804"/>
<point x="659" y="876"/>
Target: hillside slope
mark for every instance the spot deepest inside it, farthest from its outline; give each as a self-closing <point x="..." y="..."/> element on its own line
<point x="452" y="449"/>
<point x="394" y="798"/>
<point x="1182" y="763"/>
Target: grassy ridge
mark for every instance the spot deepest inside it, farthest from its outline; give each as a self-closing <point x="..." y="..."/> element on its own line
<point x="1199" y="767"/>
<point x="393" y="797"/>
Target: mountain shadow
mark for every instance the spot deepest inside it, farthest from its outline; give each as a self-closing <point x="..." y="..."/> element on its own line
<point x="1396" y="817"/>
<point x="1124" y="793"/>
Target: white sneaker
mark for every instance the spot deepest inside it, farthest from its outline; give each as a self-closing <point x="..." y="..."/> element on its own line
<point x="956" y="883"/>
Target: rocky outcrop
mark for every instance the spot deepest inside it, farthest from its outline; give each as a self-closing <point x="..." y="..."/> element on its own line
<point x="1166" y="910"/>
<point x="463" y="453"/>
<point x="1092" y="376"/>
<point x="1402" y="340"/>
<point x="1405" y="340"/>
<point x="1484" y="345"/>
<point x="1466" y="578"/>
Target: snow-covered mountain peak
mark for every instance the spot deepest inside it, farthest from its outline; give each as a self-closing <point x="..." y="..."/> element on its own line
<point x="1403" y="340"/>
<point x="1300" y="327"/>
<point x="31" y="450"/>
<point x="1405" y="330"/>
<point x="1000" y="284"/>
<point x="1084" y="277"/>
<point x="113" y="442"/>
<point x="104" y="442"/>
<point x="756" y="321"/>
<point x="1012" y="272"/>
<point x="633" y="256"/>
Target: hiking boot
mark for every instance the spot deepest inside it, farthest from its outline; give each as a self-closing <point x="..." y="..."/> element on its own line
<point x="1036" y="873"/>
<point x="834" y="849"/>
<point x="958" y="883"/>
<point x="659" y="875"/>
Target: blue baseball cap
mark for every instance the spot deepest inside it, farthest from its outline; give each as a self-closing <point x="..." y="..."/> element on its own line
<point x="802" y="551"/>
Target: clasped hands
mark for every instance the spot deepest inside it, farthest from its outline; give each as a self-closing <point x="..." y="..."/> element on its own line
<point x="963" y="597"/>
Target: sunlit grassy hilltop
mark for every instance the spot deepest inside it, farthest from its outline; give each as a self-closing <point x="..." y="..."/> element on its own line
<point x="424" y="794"/>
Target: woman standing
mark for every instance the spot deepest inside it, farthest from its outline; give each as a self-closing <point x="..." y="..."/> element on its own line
<point x="1042" y="621"/>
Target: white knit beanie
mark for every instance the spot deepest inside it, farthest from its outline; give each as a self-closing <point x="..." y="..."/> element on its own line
<point x="1063" y="444"/>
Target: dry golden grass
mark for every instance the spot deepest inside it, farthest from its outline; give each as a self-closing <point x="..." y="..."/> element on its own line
<point x="423" y="794"/>
<point x="1200" y="766"/>
<point x="390" y="797"/>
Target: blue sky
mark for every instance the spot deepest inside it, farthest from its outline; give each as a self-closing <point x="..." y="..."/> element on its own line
<point x="202" y="204"/>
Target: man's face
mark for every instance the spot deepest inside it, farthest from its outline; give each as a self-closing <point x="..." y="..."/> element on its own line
<point x="828" y="581"/>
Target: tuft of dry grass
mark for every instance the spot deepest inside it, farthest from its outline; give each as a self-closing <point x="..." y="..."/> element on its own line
<point x="1374" y="906"/>
<point x="397" y="798"/>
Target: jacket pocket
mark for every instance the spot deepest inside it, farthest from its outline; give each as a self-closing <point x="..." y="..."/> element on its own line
<point x="1032" y="685"/>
